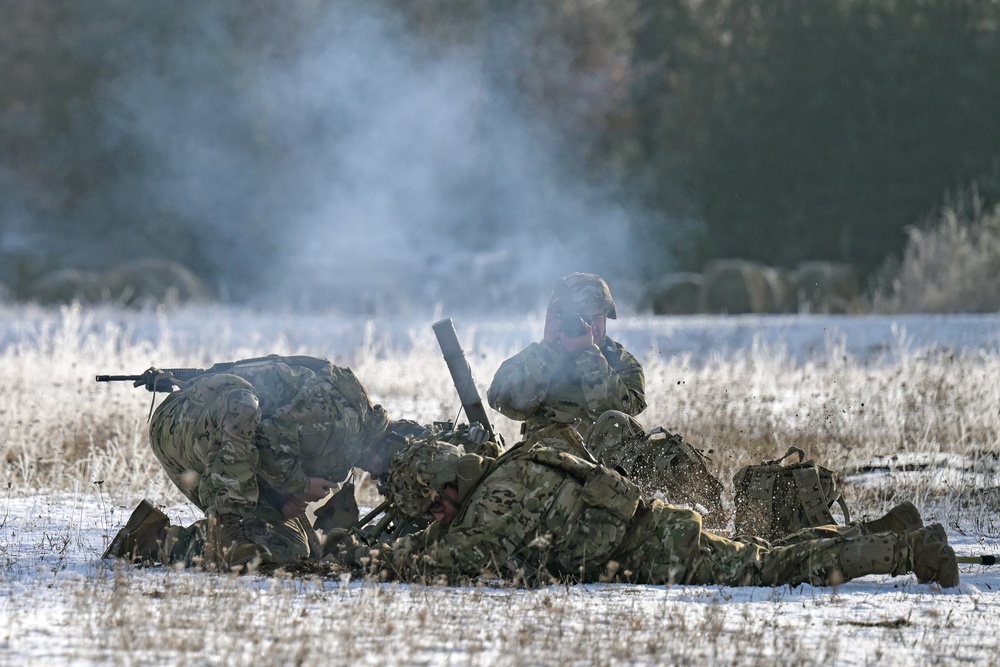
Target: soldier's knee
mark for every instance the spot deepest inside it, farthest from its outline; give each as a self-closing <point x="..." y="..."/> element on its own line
<point x="616" y="420"/>
<point x="241" y="414"/>
<point x="613" y="431"/>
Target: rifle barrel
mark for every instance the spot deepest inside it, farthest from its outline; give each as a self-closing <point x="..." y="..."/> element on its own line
<point x="988" y="559"/>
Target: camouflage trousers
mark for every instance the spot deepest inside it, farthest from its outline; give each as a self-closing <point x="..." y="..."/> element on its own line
<point x="611" y="434"/>
<point x="203" y="437"/>
<point x="666" y="545"/>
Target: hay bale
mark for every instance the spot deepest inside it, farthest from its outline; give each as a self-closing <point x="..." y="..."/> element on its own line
<point x="65" y="286"/>
<point x="827" y="287"/>
<point x="675" y="294"/>
<point x="781" y="297"/>
<point x="736" y="286"/>
<point x="152" y="282"/>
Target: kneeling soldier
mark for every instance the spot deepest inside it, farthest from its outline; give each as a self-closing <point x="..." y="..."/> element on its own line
<point x="251" y="447"/>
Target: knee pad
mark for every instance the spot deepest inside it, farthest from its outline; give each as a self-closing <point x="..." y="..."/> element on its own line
<point x="872" y="554"/>
<point x="240" y="413"/>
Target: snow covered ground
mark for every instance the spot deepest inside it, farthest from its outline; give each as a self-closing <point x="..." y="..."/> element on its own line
<point x="61" y="604"/>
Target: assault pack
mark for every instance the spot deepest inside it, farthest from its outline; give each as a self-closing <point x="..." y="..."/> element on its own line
<point x="772" y="500"/>
<point x="662" y="462"/>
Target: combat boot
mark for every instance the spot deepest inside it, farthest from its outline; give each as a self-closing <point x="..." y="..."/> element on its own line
<point x="227" y="543"/>
<point x="931" y="558"/>
<point x="142" y="537"/>
<point x="902" y="519"/>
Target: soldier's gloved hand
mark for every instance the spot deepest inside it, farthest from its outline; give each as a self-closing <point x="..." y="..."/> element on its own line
<point x="576" y="344"/>
<point x="553" y="328"/>
<point x="347" y="546"/>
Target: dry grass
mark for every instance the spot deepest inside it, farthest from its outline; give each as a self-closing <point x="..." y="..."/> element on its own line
<point x="63" y="433"/>
<point x="63" y="430"/>
<point x="950" y="264"/>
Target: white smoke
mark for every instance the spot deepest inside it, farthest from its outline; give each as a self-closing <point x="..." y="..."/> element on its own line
<point x="366" y="173"/>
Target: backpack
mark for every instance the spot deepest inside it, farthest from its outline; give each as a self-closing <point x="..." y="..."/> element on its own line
<point x="772" y="500"/>
<point x="663" y="462"/>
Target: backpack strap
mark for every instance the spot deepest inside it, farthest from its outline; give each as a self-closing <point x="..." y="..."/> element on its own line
<point x="791" y="450"/>
<point x="760" y="493"/>
<point x="811" y="496"/>
<point x="843" y="508"/>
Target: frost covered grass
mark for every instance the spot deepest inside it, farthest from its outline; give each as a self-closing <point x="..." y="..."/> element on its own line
<point x="915" y="420"/>
<point x="61" y="604"/>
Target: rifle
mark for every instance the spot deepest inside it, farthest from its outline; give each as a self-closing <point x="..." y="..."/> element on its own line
<point x="161" y="381"/>
<point x="461" y="375"/>
<point x="166" y="380"/>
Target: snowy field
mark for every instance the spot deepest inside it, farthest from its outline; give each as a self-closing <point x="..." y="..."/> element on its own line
<point x="905" y="407"/>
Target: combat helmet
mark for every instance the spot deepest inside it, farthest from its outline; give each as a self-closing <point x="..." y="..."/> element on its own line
<point x="581" y="292"/>
<point x="398" y="433"/>
<point x="419" y="473"/>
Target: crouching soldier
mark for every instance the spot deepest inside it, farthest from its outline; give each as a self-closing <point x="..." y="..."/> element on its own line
<point x="538" y="515"/>
<point x="577" y="375"/>
<point x="575" y="372"/>
<point x="251" y="447"/>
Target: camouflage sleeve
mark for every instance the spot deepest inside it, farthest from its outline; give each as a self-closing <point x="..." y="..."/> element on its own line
<point x="493" y="536"/>
<point x="521" y="384"/>
<point x="616" y="385"/>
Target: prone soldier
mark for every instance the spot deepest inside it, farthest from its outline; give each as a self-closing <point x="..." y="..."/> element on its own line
<point x="539" y="514"/>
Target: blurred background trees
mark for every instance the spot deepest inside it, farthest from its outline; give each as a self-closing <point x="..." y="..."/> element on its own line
<point x="779" y="131"/>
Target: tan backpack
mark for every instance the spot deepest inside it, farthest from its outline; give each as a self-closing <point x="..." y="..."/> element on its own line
<point x="772" y="500"/>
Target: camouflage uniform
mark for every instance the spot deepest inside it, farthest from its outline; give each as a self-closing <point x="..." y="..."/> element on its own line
<point x="544" y="383"/>
<point x="241" y="442"/>
<point x="538" y="514"/>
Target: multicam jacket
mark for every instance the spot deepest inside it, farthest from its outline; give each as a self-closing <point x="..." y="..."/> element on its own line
<point x="544" y="379"/>
<point x="314" y="422"/>
<point x="527" y="516"/>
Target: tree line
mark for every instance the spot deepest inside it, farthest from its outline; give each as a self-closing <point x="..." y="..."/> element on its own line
<point x="779" y="131"/>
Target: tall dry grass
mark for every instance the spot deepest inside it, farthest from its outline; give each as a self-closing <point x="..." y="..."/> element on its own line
<point x="950" y="264"/>
<point x="63" y="431"/>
